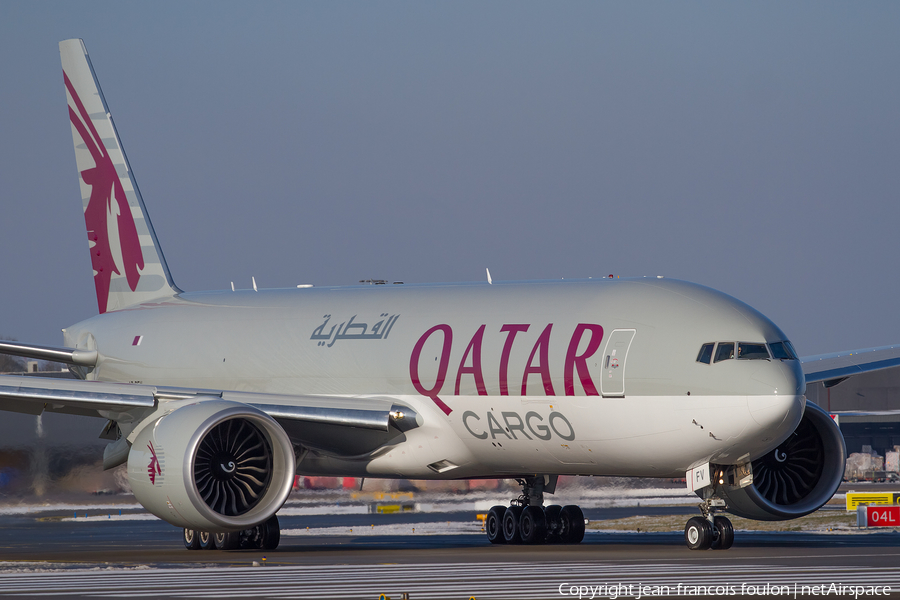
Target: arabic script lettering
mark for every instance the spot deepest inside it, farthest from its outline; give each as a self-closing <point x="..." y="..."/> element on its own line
<point x="353" y="330"/>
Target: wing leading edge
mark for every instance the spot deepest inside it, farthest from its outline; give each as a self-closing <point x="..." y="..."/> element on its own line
<point x="831" y="369"/>
<point x="308" y="420"/>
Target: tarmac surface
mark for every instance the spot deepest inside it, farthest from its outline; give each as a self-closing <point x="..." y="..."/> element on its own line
<point x="427" y="555"/>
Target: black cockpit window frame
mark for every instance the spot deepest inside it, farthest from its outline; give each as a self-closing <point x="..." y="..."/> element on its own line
<point x="782" y="350"/>
<point x="715" y="352"/>
<point x="724" y="351"/>
<point x="706" y="352"/>
<point x="753" y="351"/>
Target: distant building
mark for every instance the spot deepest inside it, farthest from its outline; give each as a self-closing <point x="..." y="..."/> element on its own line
<point x="877" y="391"/>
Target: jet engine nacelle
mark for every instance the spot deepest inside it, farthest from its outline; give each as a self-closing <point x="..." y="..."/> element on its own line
<point x="797" y="477"/>
<point x="212" y="465"/>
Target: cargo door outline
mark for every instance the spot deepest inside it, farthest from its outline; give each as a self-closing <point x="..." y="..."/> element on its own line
<point x="612" y="380"/>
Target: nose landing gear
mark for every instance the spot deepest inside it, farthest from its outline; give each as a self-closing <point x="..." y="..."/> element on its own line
<point x="527" y="521"/>
<point x="710" y="531"/>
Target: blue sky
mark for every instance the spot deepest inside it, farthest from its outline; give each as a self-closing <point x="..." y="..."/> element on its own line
<point x="750" y="147"/>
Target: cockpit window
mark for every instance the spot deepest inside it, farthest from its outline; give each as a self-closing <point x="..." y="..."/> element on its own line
<point x="783" y="350"/>
<point x="724" y="351"/>
<point x="705" y="355"/>
<point x="747" y="351"/>
<point x="790" y="347"/>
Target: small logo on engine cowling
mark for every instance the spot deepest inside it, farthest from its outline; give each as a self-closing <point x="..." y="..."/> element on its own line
<point x="154" y="468"/>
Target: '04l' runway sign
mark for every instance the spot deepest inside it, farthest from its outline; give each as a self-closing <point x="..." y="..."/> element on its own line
<point x="882" y="516"/>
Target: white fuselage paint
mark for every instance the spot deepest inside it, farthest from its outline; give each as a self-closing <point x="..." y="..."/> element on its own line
<point x="507" y="379"/>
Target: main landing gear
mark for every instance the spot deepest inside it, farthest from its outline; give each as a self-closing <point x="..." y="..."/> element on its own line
<point x="710" y="531"/>
<point x="264" y="536"/>
<point x="527" y="521"/>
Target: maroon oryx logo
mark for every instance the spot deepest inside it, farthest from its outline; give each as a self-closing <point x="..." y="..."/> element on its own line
<point x="107" y="202"/>
<point x="153" y="468"/>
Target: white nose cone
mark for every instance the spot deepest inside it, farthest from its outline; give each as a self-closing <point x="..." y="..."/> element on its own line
<point x="777" y="416"/>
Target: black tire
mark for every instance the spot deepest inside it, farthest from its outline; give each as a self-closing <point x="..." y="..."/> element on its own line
<point x="228" y="541"/>
<point x="271" y="533"/>
<point x="725" y="531"/>
<point x="698" y="534"/>
<point x="551" y="519"/>
<point x="571" y="520"/>
<point x="532" y="525"/>
<point x="511" y="525"/>
<point x="207" y="540"/>
<point x="493" y="525"/>
<point x="191" y="539"/>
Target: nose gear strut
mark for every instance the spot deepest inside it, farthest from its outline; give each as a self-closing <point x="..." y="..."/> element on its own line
<point x="711" y="531"/>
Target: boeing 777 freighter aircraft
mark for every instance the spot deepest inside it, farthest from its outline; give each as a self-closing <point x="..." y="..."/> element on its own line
<point x="216" y="399"/>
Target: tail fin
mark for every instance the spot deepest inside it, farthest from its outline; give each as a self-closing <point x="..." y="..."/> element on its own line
<point x="129" y="267"/>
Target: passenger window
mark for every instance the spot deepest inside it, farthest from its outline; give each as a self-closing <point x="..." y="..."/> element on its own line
<point x="705" y="355"/>
<point x="724" y="351"/>
<point x="783" y="351"/>
<point x="752" y="351"/>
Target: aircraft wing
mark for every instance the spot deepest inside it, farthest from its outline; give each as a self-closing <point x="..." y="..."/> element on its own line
<point x="342" y="425"/>
<point x="835" y="368"/>
<point x="34" y="395"/>
<point x="69" y="356"/>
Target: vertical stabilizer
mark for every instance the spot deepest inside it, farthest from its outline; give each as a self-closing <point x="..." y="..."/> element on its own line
<point x="129" y="267"/>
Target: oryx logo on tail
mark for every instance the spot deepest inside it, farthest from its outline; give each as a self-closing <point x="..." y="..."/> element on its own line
<point x="128" y="263"/>
<point x="110" y="225"/>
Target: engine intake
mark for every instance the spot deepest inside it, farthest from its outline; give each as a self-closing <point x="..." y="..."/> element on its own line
<point x="212" y="465"/>
<point x="233" y="467"/>
<point x="797" y="477"/>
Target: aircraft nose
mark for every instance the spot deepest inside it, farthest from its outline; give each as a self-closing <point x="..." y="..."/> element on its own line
<point x="781" y="377"/>
<point x="774" y="412"/>
<point x="779" y="412"/>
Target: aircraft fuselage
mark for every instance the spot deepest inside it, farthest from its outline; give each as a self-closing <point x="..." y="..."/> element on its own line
<point x="591" y="377"/>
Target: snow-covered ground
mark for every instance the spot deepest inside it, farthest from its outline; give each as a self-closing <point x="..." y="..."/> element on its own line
<point x="313" y="503"/>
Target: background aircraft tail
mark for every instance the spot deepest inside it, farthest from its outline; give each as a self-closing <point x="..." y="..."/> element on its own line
<point x="129" y="266"/>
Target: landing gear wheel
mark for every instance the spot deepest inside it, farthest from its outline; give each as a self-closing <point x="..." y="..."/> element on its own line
<point x="207" y="540"/>
<point x="228" y="541"/>
<point x="271" y="533"/>
<point x="511" y="525"/>
<point x="493" y="525"/>
<point x="698" y="534"/>
<point x="725" y="531"/>
<point x="191" y="539"/>
<point x="571" y="524"/>
<point x="532" y="525"/>
<point x="551" y="518"/>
